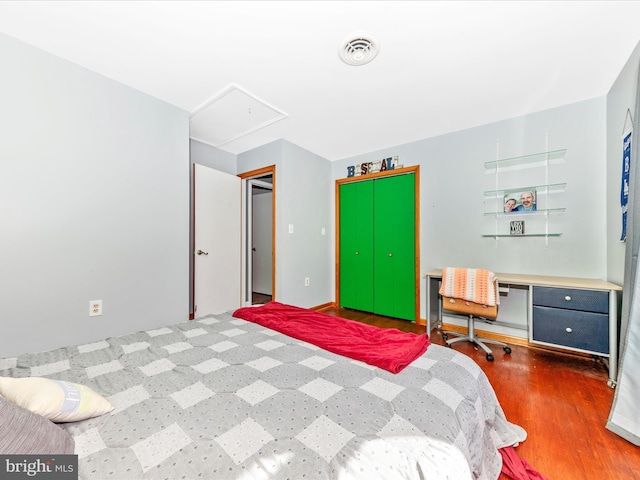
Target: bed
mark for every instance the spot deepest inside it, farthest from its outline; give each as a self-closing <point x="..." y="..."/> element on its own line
<point x="225" y="398"/>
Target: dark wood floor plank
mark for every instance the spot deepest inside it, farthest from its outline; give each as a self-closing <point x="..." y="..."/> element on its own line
<point x="561" y="400"/>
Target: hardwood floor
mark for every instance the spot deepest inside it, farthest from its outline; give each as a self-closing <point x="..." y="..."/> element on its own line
<point x="561" y="400"/>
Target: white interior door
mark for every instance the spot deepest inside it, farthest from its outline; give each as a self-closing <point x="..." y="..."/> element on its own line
<point x="262" y="241"/>
<point x="217" y="253"/>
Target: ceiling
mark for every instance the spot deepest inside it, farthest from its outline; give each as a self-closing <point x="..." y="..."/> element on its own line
<point x="272" y="69"/>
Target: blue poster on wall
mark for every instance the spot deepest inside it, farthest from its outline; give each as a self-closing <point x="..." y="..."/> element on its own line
<point x="624" y="189"/>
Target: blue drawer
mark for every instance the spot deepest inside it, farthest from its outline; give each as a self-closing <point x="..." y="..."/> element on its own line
<point x="570" y="328"/>
<point x="572" y="298"/>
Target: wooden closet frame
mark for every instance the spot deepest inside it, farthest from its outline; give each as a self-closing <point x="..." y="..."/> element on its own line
<point x="398" y="171"/>
<point x="261" y="172"/>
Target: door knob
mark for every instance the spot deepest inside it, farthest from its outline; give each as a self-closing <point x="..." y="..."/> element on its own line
<point x="200" y="252"/>
<point x="391" y="254"/>
<point x="253" y="249"/>
<point x="357" y="253"/>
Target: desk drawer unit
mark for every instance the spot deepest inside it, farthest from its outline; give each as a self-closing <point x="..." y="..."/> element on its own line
<point x="571" y="318"/>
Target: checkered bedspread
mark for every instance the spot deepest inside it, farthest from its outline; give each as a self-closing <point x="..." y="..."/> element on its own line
<point x="222" y="398"/>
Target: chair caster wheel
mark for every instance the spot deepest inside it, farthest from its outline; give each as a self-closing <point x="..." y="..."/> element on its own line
<point x="489" y="357"/>
<point x="507" y="349"/>
<point x="448" y="345"/>
<point x="445" y="336"/>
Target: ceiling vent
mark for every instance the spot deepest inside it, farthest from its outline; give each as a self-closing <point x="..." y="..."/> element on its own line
<point x="359" y="48"/>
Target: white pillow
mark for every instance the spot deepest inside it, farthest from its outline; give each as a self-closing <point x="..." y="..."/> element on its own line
<point x="57" y="400"/>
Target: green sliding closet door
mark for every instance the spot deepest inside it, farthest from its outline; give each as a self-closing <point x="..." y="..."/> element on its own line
<point x="356" y="248"/>
<point x="377" y="246"/>
<point x="394" y="246"/>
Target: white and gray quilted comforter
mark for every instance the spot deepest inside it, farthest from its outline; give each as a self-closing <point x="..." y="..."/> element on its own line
<point x="222" y="398"/>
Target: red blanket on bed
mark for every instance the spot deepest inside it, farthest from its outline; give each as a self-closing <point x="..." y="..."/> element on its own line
<point x="387" y="348"/>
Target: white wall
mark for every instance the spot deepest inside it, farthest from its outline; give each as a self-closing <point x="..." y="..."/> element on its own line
<point x="621" y="98"/>
<point x="303" y="199"/>
<point x="303" y="189"/>
<point x="453" y="181"/>
<point x="94" y="204"/>
<point x="263" y="156"/>
<point x="213" y="157"/>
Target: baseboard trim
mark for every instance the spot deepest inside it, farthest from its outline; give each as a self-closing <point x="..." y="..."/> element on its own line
<point x="324" y="306"/>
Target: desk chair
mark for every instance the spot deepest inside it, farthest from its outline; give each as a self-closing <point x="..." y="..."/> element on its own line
<point x="471" y="309"/>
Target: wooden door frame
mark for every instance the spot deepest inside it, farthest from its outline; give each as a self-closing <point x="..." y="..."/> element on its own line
<point x="398" y="171"/>
<point x="261" y="172"/>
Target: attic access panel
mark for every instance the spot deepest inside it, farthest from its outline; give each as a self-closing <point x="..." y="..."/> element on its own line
<point x="231" y="114"/>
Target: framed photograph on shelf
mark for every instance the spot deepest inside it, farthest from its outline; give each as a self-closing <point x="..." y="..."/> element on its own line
<point x="516" y="227"/>
<point x="519" y="201"/>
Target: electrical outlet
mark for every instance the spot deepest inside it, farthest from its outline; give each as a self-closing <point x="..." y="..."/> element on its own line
<point x="306" y="281"/>
<point x="291" y="228"/>
<point x="95" y="308"/>
<point x="323" y="231"/>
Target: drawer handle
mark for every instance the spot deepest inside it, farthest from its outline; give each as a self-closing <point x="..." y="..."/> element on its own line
<point x="569" y="329"/>
<point x="567" y="298"/>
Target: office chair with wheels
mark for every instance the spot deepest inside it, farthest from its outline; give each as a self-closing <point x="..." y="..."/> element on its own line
<point x="481" y="284"/>
<point x="473" y="311"/>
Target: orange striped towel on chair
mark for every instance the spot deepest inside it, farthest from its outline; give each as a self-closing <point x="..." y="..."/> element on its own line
<point x="471" y="284"/>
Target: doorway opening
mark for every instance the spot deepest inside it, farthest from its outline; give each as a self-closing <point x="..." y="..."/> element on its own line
<point x="258" y="236"/>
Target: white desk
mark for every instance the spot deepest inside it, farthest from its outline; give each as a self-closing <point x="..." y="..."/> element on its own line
<point x="546" y="306"/>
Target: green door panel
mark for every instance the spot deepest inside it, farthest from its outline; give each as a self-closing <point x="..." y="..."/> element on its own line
<point x="394" y="246"/>
<point x="356" y="248"/>
<point x="377" y="246"/>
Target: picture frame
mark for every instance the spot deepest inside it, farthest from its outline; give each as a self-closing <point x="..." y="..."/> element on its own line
<point x="519" y="201"/>
<point x="516" y="227"/>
